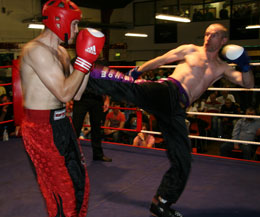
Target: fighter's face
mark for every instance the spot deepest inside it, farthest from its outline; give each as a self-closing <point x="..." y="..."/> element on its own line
<point x="73" y="31"/>
<point x="213" y="39"/>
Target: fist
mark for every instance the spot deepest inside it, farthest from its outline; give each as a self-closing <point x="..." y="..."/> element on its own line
<point x="134" y="73"/>
<point x="237" y="54"/>
<point x="89" y="44"/>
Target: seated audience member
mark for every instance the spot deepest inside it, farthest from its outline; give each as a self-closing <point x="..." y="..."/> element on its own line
<point x="197" y="106"/>
<point x="225" y="95"/>
<point x="2" y="89"/>
<point x="131" y="123"/>
<point x="227" y="123"/>
<point x="6" y="115"/>
<point x="245" y="129"/>
<point x="212" y="105"/>
<point x="69" y="108"/>
<point x="144" y="139"/>
<point x="116" y="119"/>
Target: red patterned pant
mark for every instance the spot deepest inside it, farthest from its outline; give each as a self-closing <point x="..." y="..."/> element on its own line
<point x="51" y="143"/>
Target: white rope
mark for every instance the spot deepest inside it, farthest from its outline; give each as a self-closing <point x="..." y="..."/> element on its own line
<point x="174" y="66"/>
<point x="209" y="138"/>
<point x="224" y="140"/>
<point x="223" y="115"/>
<point x="151" y="132"/>
<point x="233" y="89"/>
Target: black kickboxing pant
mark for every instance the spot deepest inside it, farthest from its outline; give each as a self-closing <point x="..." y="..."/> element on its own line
<point x="162" y="100"/>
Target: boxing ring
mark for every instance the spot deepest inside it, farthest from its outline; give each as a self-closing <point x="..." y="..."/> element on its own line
<point x="217" y="187"/>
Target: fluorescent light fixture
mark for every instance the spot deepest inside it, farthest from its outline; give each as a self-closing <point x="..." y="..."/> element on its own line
<point x="172" y="18"/>
<point x="136" y="35"/>
<point x="253" y="27"/>
<point x="36" y="26"/>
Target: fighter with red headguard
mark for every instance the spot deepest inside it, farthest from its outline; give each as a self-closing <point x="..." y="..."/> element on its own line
<point x="48" y="82"/>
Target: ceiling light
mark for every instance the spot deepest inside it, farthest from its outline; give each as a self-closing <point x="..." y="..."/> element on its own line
<point x="35" y="26"/>
<point x="136" y="35"/>
<point x="172" y="18"/>
<point x="253" y="27"/>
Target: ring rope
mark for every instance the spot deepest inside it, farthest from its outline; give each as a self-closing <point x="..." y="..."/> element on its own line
<point x="223" y="115"/>
<point x="224" y="140"/>
<point x="233" y="89"/>
<point x="5" y="67"/>
<point x="4" y="122"/>
<point x="6" y="103"/>
<point x="6" y="84"/>
<point x="208" y="138"/>
<point x="174" y="66"/>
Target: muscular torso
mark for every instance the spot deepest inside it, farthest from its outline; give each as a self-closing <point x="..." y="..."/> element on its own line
<point x="196" y="72"/>
<point x="36" y="94"/>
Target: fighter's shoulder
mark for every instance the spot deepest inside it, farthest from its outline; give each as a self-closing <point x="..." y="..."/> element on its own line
<point x="188" y="48"/>
<point x="33" y="49"/>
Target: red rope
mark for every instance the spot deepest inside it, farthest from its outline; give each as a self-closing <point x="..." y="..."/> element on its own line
<point x="122" y="67"/>
<point x="114" y="128"/>
<point x="3" y="122"/>
<point x="6" y="84"/>
<point x="4" y="67"/>
<point x="125" y="108"/>
<point x="7" y="103"/>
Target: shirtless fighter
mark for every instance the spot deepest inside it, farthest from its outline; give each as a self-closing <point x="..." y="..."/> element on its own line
<point x="49" y="81"/>
<point x="199" y="67"/>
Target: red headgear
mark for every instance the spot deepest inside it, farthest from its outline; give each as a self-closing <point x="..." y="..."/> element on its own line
<point x="58" y="15"/>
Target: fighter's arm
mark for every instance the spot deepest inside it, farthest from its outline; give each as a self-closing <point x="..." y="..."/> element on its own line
<point x="81" y="88"/>
<point x="173" y="55"/>
<point x="245" y="79"/>
<point x="50" y="72"/>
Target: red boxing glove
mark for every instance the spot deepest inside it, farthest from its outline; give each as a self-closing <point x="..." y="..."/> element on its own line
<point x="89" y="44"/>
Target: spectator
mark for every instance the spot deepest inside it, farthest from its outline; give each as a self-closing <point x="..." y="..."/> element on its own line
<point x="69" y="108"/>
<point x="245" y="129"/>
<point x="131" y="123"/>
<point x="197" y="124"/>
<point x="144" y="139"/>
<point x="197" y="15"/>
<point x="2" y="89"/>
<point x="227" y="123"/>
<point x="223" y="14"/>
<point x="208" y="15"/>
<point x="212" y="105"/>
<point x="115" y="119"/>
<point x="6" y="114"/>
<point x="225" y="95"/>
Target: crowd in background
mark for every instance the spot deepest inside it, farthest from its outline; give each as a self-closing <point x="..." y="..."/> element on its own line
<point x="212" y="101"/>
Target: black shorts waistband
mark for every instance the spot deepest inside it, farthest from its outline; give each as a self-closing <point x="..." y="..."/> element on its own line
<point x="44" y="115"/>
<point x="184" y="98"/>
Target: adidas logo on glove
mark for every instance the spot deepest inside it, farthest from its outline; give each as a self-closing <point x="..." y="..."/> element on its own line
<point x="91" y="50"/>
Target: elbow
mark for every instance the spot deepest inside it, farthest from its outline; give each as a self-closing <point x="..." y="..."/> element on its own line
<point x="65" y="98"/>
<point x="249" y="85"/>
